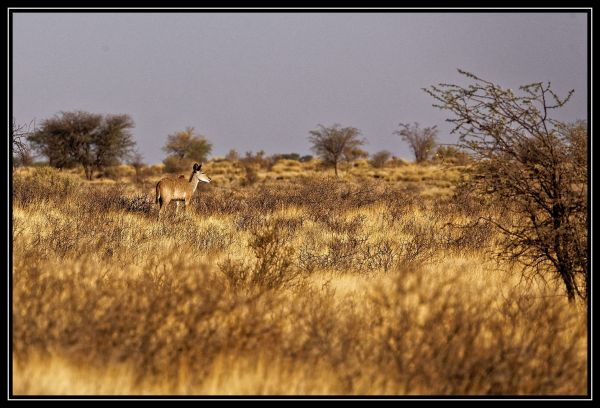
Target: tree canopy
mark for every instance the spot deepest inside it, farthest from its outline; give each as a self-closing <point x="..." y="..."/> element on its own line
<point x="532" y="167"/>
<point x="82" y="138"/>
<point x="420" y="141"/>
<point x="187" y="144"/>
<point x="334" y="144"/>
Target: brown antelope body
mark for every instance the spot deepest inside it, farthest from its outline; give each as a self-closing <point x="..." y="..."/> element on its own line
<point x="179" y="189"/>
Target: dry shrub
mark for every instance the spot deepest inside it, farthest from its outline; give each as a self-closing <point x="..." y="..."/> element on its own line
<point x="141" y="203"/>
<point x="383" y="255"/>
<point x="423" y="244"/>
<point x="219" y="201"/>
<point x="399" y="208"/>
<point x="444" y="343"/>
<point x="100" y="199"/>
<point x="419" y="335"/>
<point x="343" y="253"/>
<point x="339" y="224"/>
<point x="144" y="319"/>
<point x="43" y="184"/>
<point x="462" y="225"/>
<point x="273" y="264"/>
<point x="249" y="220"/>
<point x="467" y="236"/>
<point x="250" y="175"/>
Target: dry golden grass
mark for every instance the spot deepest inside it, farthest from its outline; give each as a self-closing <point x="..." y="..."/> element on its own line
<point x="297" y="285"/>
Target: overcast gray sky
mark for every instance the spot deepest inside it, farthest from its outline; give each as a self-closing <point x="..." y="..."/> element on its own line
<point x="254" y="81"/>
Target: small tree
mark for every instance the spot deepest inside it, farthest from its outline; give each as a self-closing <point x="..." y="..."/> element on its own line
<point x="380" y="159"/>
<point x="421" y="141"/>
<point x="185" y="147"/>
<point x="232" y="156"/>
<point x="137" y="162"/>
<point x="257" y="160"/>
<point x="533" y="168"/>
<point x="334" y="144"/>
<point x="21" y="151"/>
<point x="84" y="138"/>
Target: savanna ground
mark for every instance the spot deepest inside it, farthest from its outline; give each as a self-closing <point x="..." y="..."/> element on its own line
<point x="378" y="282"/>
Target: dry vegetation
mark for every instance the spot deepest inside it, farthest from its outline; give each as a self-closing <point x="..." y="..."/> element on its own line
<point x="379" y="282"/>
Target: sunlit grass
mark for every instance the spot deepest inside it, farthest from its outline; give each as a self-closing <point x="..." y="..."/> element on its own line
<point x="304" y="284"/>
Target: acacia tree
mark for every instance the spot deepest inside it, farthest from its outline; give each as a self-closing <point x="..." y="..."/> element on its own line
<point x="184" y="147"/>
<point x="534" y="170"/>
<point x="421" y="141"/>
<point x="334" y="144"/>
<point x="87" y="139"/>
<point x="232" y="156"/>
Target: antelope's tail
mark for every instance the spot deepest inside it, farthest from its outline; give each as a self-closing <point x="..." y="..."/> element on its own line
<point x="157" y="194"/>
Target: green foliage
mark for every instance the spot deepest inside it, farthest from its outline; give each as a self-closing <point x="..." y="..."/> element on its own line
<point x="114" y="141"/>
<point x="187" y="145"/>
<point x="83" y="138"/>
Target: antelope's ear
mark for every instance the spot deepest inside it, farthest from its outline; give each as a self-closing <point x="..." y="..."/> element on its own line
<point x="200" y="166"/>
<point x="196" y="167"/>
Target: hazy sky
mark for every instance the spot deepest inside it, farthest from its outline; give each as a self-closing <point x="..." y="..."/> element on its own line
<point x="254" y="81"/>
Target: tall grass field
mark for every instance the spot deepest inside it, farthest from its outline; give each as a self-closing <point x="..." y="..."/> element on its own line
<point x="377" y="282"/>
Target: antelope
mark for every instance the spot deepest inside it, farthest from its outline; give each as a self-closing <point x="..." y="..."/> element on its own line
<point x="178" y="189"/>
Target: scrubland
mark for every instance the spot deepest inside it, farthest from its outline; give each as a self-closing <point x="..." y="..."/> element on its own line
<point x="380" y="282"/>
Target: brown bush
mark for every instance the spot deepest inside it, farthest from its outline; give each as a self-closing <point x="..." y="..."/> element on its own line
<point x="44" y="183"/>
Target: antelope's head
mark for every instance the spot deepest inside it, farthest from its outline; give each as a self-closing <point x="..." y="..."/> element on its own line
<point x="199" y="175"/>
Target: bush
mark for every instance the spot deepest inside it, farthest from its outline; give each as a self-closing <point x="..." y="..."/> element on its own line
<point x="44" y="183"/>
<point x="251" y="175"/>
<point x="273" y="264"/>
<point x="380" y="159"/>
<point x="451" y="155"/>
<point x="174" y="164"/>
